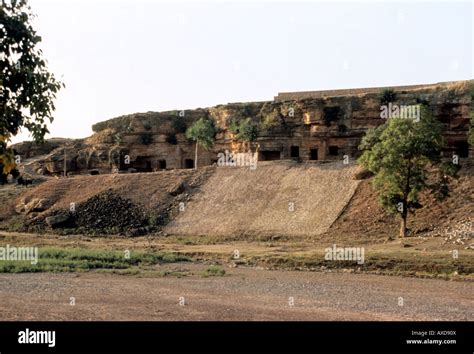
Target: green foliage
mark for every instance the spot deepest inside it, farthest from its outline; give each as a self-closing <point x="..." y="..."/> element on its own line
<point x="404" y="155"/>
<point x="70" y="260"/>
<point x="214" y="271"/>
<point x="234" y="126"/>
<point x="245" y="130"/>
<point x="118" y="138"/>
<point x="179" y="125"/>
<point x="27" y="89"/>
<point x="270" y="120"/>
<point x="146" y="138"/>
<point x="386" y="96"/>
<point x="202" y="132"/>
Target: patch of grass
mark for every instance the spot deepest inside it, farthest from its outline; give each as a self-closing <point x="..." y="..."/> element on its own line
<point x="71" y="260"/>
<point x="128" y="271"/>
<point x="143" y="273"/>
<point x="405" y="263"/>
<point x="15" y="224"/>
<point x="214" y="271"/>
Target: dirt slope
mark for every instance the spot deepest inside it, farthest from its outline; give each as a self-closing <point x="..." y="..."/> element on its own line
<point x="157" y="191"/>
<point x="364" y="218"/>
<point x="239" y="202"/>
<point x="243" y="201"/>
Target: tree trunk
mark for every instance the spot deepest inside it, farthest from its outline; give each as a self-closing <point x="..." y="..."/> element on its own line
<point x="196" y="157"/>
<point x="403" y="224"/>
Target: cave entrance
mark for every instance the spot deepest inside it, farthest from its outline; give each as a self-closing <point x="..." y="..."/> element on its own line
<point x="462" y="148"/>
<point x="334" y="150"/>
<point x="188" y="163"/>
<point x="142" y="164"/>
<point x="270" y="155"/>
<point x="295" y="151"/>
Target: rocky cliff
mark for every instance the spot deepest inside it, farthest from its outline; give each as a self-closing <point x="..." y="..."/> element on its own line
<point x="320" y="125"/>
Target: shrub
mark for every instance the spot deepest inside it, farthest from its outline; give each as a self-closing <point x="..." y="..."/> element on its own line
<point x="214" y="271"/>
<point x="386" y="96"/>
<point x="270" y="120"/>
<point x="179" y="125"/>
<point x="245" y="130"/>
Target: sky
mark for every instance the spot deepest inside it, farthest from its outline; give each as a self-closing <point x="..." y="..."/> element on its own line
<point x="127" y="56"/>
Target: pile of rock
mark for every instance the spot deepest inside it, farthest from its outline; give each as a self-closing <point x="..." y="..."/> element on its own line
<point x="461" y="233"/>
<point x="108" y="213"/>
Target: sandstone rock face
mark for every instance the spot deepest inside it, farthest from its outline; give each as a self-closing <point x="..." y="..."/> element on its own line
<point x="29" y="149"/>
<point x="34" y="205"/>
<point x="321" y="125"/>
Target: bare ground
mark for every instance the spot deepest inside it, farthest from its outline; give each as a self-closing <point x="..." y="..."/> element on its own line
<point x="242" y="294"/>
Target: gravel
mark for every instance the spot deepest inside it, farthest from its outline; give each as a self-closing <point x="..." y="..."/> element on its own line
<point x="242" y="294"/>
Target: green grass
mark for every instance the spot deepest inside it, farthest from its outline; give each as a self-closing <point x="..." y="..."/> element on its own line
<point x="214" y="271"/>
<point x="71" y="260"/>
<point x="424" y="264"/>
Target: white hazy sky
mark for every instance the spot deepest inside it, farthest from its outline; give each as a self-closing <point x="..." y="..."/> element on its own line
<point x="121" y="57"/>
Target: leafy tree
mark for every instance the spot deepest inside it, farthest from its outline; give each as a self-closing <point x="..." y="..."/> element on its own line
<point x="405" y="157"/>
<point x="202" y="132"/>
<point x="245" y="131"/>
<point x="27" y="88"/>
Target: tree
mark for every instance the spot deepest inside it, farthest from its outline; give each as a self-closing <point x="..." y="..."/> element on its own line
<point x="27" y="88"/>
<point x="245" y="130"/>
<point x="405" y="156"/>
<point x="203" y="133"/>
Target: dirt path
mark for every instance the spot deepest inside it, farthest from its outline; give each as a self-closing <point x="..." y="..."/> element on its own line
<point x="242" y="294"/>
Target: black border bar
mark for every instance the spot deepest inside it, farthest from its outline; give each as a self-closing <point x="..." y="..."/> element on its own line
<point x="210" y="337"/>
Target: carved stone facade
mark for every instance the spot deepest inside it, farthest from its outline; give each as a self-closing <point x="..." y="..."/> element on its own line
<point x="320" y="125"/>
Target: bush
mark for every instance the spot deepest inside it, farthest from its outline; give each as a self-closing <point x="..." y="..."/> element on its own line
<point x="245" y="130"/>
<point x="386" y="96"/>
<point x="179" y="125"/>
<point x="214" y="271"/>
<point x="270" y="120"/>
